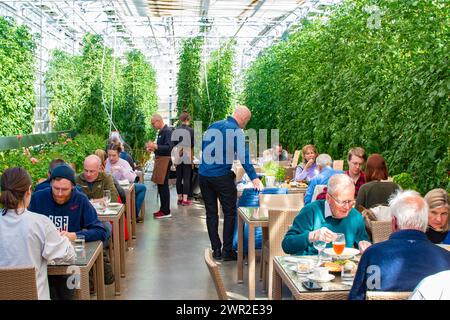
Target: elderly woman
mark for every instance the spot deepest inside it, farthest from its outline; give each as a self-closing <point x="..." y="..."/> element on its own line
<point x="28" y="239"/>
<point x="438" y="225"/>
<point x="376" y="191"/>
<point x="308" y="168"/>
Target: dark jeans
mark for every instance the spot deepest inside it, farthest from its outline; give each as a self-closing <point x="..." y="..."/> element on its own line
<point x="59" y="290"/>
<point x="164" y="193"/>
<point x="184" y="177"/>
<point x="224" y="189"/>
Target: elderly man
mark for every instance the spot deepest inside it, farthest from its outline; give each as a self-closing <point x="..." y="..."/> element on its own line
<point x="94" y="181"/>
<point x="162" y="149"/>
<point x="276" y="153"/>
<point x="222" y="142"/>
<point x="401" y="262"/>
<point x="71" y="212"/>
<point x="324" y="163"/>
<point x="322" y="219"/>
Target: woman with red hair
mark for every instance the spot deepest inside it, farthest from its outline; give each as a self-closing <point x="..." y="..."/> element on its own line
<point x="377" y="190"/>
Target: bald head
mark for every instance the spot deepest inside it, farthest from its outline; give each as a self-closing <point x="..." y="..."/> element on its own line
<point x="92" y="167"/>
<point x="242" y="115"/>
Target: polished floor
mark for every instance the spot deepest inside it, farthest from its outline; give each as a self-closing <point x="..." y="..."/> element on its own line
<point x="166" y="261"/>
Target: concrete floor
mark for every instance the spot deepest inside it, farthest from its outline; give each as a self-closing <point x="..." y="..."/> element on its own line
<point x="167" y="262"/>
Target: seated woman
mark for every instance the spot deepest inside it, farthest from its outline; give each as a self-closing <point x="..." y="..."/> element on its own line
<point x="375" y="191"/>
<point x="28" y="239"/>
<point x="308" y="168"/>
<point x="103" y="156"/>
<point x="121" y="170"/>
<point x="438" y="225"/>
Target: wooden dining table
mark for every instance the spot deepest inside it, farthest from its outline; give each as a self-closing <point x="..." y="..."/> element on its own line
<point x="91" y="256"/>
<point x="116" y="215"/>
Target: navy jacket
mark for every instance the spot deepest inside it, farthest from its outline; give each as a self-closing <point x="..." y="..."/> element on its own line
<point x="217" y="165"/>
<point x="164" y="141"/>
<point x="398" y="264"/>
<point x="77" y="215"/>
<point x="43" y="185"/>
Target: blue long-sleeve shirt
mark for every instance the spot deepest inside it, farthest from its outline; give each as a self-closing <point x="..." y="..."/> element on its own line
<point x="76" y="215"/>
<point x="321" y="178"/>
<point x="398" y="264"/>
<point x="222" y="142"/>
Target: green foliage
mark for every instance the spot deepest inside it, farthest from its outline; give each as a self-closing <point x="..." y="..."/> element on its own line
<point x="188" y="78"/>
<point x="63" y="83"/>
<point x="405" y="180"/>
<point x="342" y="83"/>
<point x="132" y="117"/>
<point x="271" y="168"/>
<point x="36" y="159"/>
<point x="17" y="76"/>
<point x="82" y="89"/>
<point x="217" y="89"/>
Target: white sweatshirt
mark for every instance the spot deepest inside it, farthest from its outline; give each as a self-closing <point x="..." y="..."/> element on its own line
<point x="31" y="240"/>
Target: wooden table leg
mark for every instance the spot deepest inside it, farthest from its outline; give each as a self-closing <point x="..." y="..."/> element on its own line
<point x="122" y="246"/>
<point x="128" y="214"/>
<point x="100" y="277"/>
<point x="276" y="285"/>
<point x="240" y="250"/>
<point x="116" y="236"/>
<point x="251" y="262"/>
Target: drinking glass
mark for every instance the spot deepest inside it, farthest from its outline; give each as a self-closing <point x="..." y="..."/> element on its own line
<point x="79" y="243"/>
<point x="339" y="243"/>
<point x="107" y="197"/>
<point x="320" y="246"/>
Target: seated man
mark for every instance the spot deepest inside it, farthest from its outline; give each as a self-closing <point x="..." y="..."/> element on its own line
<point x="324" y="163"/>
<point x="46" y="183"/>
<point x="400" y="263"/>
<point x="322" y="219"/>
<point x="276" y="153"/>
<point x="71" y="212"/>
<point x="93" y="181"/>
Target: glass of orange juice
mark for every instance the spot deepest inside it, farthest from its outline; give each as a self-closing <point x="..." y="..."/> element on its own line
<point x="339" y="243"/>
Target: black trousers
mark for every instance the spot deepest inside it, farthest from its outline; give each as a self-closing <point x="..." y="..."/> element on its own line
<point x="164" y="193"/>
<point x="184" y="178"/>
<point x="224" y="189"/>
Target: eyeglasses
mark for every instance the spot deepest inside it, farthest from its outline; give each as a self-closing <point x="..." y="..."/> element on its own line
<point x="343" y="203"/>
<point x="357" y="164"/>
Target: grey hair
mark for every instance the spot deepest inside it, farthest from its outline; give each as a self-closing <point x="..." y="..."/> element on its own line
<point x="324" y="160"/>
<point x="410" y="210"/>
<point x="339" y="181"/>
<point x="157" y="116"/>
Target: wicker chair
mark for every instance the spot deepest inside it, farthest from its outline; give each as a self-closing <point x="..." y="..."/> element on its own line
<point x="387" y="295"/>
<point x="381" y="230"/>
<point x="18" y="284"/>
<point x="214" y="270"/>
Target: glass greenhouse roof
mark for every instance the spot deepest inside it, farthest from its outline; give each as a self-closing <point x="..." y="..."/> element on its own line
<point x="157" y="27"/>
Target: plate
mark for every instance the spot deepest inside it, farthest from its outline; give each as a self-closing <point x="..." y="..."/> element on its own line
<point x="347" y="254"/>
<point x="295" y="269"/>
<point x="327" y="279"/>
<point x="124" y="182"/>
<point x="114" y="205"/>
<point x="292" y="259"/>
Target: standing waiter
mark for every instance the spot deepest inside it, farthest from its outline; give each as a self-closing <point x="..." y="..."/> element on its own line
<point x="162" y="149"/>
<point x="222" y="142"/>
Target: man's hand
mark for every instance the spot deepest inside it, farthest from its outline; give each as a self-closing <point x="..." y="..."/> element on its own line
<point x="151" y="146"/>
<point x="363" y="245"/>
<point x="257" y="184"/>
<point x="70" y="235"/>
<point x="322" y="234"/>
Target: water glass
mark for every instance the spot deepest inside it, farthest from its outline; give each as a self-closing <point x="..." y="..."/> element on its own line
<point x="79" y="243"/>
<point x="348" y="271"/>
<point x="107" y="197"/>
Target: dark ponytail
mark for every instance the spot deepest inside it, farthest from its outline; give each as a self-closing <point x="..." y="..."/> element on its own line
<point x="15" y="182"/>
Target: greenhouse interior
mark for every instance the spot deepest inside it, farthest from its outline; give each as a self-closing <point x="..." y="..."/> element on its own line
<point x="224" y="150"/>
